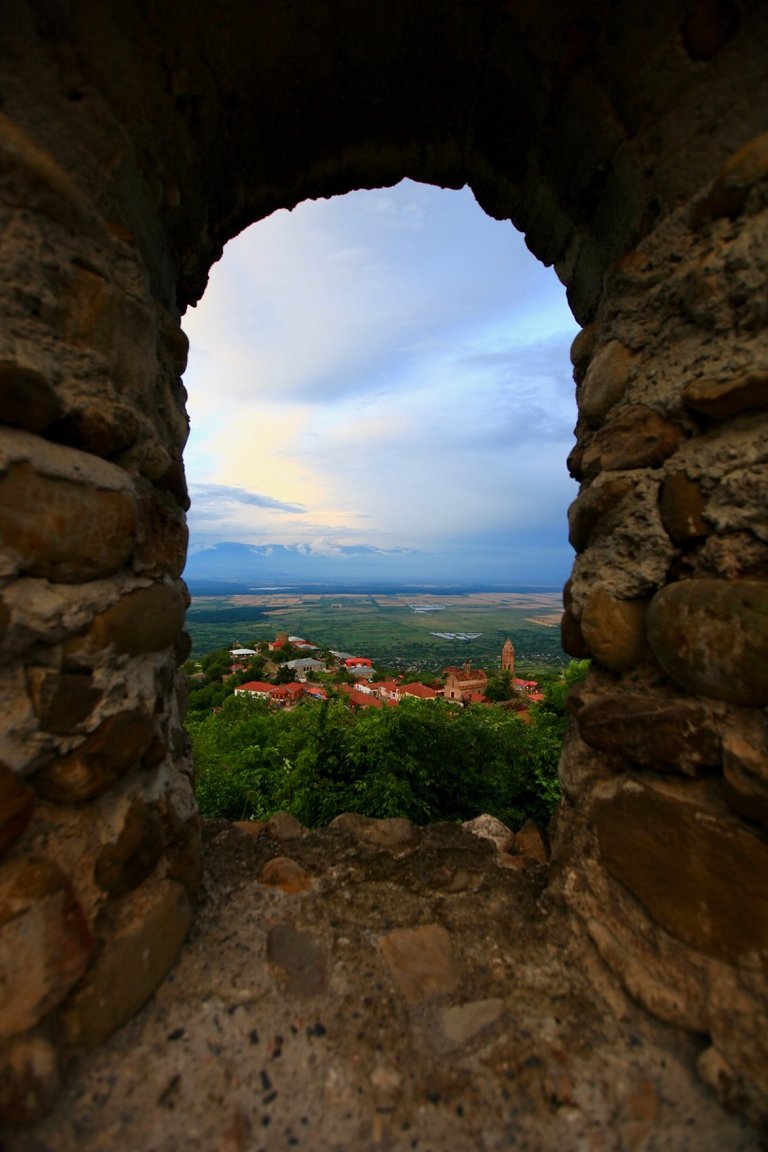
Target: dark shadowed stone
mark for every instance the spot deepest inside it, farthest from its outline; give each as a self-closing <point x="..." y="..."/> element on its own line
<point x="29" y="1078"/>
<point x="125" y="863"/>
<point x="571" y="636"/>
<point x="27" y="399"/>
<point x="711" y="636"/>
<point x="745" y="768"/>
<point x="638" y="437"/>
<point x="592" y="509"/>
<point x="175" y="339"/>
<point x="681" y="506"/>
<point x="391" y="834"/>
<point x="614" y="630"/>
<point x="708" y="27"/>
<point x="702" y="876"/>
<point x="575" y="460"/>
<point x="146" y="620"/>
<point x="721" y="399"/>
<point x="17" y="801"/>
<point x="5" y="620"/>
<point x="148" y="930"/>
<point x="99" y="762"/>
<point x="45" y="941"/>
<point x="174" y="481"/>
<point x="105" y="430"/>
<point x="729" y="192"/>
<point x="161" y="546"/>
<point x="64" y="531"/>
<point x="671" y="735"/>
<point x="302" y="963"/>
<point x="61" y="700"/>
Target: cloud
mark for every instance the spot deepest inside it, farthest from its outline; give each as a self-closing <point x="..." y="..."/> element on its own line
<point x="213" y="495"/>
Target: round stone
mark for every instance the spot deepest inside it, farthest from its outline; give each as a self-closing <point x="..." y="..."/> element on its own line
<point x="711" y="636"/>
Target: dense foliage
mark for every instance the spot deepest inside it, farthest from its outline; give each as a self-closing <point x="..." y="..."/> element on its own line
<point x="425" y="760"/>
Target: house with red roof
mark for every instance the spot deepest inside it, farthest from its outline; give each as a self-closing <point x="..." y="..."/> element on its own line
<point x="259" y="688"/>
<point x="463" y="683"/>
<point x="419" y="691"/>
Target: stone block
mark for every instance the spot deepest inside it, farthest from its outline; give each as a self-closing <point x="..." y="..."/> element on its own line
<point x="605" y="382"/>
<point x="637" y="437"/>
<point x="701" y="875"/>
<point x="711" y="636"/>
<point x="29" y="1078"/>
<point x="105" y="429"/>
<point x="390" y="834"/>
<point x="681" y="505"/>
<point x="27" y="398"/>
<point x="35" y="181"/>
<point x="614" y="630"/>
<point x="64" y="531"/>
<point x="421" y="961"/>
<point x="284" y="826"/>
<point x="651" y="730"/>
<point x="45" y="942"/>
<point x="721" y="399"/>
<point x="581" y="350"/>
<point x="529" y="841"/>
<point x="145" y="620"/>
<point x="62" y="701"/>
<point x="572" y="637"/>
<point x="17" y="801"/>
<point x="745" y="768"/>
<point x="146" y="935"/>
<point x="126" y="862"/>
<point x="95" y="766"/>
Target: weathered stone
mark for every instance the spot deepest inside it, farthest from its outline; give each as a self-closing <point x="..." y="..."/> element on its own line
<point x="147" y="933"/>
<point x="284" y="826"/>
<point x="29" y="1078"/>
<point x="581" y="350"/>
<point x="27" y="398"/>
<point x="5" y="620"/>
<point x="176" y="341"/>
<point x="62" y="530"/>
<point x="45" y="942"/>
<point x="669" y="735"/>
<point x="463" y="1022"/>
<point x="529" y="841"/>
<point x="161" y="546"/>
<point x="700" y="874"/>
<point x="638" y="437"/>
<point x="391" y="834"/>
<point x="488" y="827"/>
<point x="61" y="700"/>
<point x="111" y="751"/>
<point x="17" y="801"/>
<point x="103" y="429"/>
<point x="681" y="506"/>
<point x="38" y="181"/>
<point x="421" y="961"/>
<point x="728" y="194"/>
<point x="302" y="964"/>
<point x="721" y="399"/>
<point x="146" y="620"/>
<point x="286" y="874"/>
<point x="596" y="507"/>
<point x="711" y="636"/>
<point x="614" y="630"/>
<point x="605" y="382"/>
<point x="125" y="863"/>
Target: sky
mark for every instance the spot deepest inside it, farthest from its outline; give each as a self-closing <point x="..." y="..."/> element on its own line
<point x="386" y="369"/>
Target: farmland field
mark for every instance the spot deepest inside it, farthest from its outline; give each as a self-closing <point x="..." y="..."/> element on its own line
<point x="395" y="629"/>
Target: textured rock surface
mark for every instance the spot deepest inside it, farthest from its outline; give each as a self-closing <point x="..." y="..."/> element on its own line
<point x="420" y="999"/>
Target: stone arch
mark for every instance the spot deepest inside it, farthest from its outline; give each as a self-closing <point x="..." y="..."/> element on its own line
<point x="627" y="146"/>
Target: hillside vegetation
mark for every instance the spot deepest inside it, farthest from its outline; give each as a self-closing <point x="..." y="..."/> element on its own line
<point x="424" y="760"/>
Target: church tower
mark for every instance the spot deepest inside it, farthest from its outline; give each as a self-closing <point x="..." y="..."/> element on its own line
<point x="508" y="658"/>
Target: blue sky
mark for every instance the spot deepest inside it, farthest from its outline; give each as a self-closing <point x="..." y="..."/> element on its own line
<point x="389" y="369"/>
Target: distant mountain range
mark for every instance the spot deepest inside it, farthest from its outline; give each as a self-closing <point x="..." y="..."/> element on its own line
<point x="260" y="565"/>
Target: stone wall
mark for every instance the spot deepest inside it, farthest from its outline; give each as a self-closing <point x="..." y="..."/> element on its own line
<point x="626" y="143"/>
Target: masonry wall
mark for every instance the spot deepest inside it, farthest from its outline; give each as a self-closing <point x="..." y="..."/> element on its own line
<point x="629" y="148"/>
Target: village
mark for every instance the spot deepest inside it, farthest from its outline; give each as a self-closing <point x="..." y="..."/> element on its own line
<point x="363" y="687"/>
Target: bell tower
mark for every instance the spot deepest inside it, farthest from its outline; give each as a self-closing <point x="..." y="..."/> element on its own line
<point x="508" y="657"/>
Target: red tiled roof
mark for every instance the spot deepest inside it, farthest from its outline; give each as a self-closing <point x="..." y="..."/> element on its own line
<point x="255" y="686"/>
<point x="417" y="689"/>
